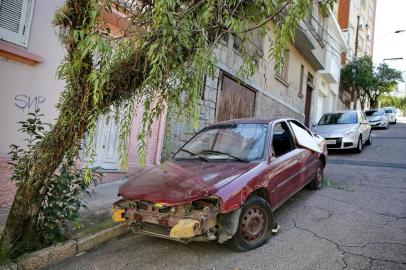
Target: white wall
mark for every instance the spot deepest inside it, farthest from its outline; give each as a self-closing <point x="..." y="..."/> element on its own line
<point x="24" y="87"/>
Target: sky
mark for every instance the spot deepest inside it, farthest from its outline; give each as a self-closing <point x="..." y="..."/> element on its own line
<point x="390" y="16"/>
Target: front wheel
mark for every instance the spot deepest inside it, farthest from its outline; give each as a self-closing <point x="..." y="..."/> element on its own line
<point x="255" y="225"/>
<point x="359" y="145"/>
<point x="317" y="182"/>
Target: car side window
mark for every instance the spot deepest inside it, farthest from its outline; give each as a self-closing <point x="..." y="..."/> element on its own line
<point x="282" y="139"/>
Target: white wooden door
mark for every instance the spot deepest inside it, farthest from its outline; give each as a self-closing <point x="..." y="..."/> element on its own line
<point x="106" y="143"/>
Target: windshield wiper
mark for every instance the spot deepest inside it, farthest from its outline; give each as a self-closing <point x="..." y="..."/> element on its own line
<point x="227" y="154"/>
<point x="193" y="154"/>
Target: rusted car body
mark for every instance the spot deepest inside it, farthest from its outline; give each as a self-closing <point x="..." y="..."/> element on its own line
<point x="210" y="196"/>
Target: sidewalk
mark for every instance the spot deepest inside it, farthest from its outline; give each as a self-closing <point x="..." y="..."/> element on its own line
<point x="99" y="205"/>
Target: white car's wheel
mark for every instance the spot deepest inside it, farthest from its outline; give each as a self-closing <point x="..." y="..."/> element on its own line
<point x="369" y="141"/>
<point x="359" y="145"/>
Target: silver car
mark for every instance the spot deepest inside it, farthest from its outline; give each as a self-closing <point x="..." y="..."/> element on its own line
<point x="377" y="118"/>
<point x="390" y="113"/>
<point x="344" y="130"/>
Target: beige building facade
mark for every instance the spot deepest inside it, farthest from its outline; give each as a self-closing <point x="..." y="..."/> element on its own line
<point x="306" y="87"/>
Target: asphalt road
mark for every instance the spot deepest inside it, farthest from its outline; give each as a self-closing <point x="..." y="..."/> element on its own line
<point x="358" y="221"/>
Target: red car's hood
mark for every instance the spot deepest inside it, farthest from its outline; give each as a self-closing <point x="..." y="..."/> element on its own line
<point x="179" y="182"/>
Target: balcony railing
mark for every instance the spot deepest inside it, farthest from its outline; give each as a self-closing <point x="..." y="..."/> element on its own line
<point x="316" y="29"/>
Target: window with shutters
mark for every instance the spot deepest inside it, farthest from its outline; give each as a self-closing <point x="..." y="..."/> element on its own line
<point x="15" y="20"/>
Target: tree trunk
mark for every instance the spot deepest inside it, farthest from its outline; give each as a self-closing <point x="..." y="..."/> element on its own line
<point x="21" y="226"/>
<point x="373" y="102"/>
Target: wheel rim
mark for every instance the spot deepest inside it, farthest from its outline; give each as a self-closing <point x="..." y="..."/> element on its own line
<point x="253" y="223"/>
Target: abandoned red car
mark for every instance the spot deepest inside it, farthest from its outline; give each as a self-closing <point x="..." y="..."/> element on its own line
<point x="225" y="183"/>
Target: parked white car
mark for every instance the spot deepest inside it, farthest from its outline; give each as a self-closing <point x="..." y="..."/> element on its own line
<point x="390" y="113"/>
<point x="377" y="118"/>
<point x="344" y="130"/>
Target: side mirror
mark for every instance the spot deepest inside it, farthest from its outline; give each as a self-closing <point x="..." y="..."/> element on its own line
<point x="314" y="125"/>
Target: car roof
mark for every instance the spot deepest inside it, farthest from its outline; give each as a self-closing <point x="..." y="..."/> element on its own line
<point x="254" y="120"/>
<point x="377" y="109"/>
<point x="342" y="111"/>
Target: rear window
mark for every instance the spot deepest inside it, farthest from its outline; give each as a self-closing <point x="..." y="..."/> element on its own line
<point x="388" y="110"/>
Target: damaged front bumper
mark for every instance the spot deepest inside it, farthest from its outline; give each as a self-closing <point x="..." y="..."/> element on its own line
<point x="196" y="221"/>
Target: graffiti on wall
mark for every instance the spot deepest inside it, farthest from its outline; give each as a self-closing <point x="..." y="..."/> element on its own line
<point x="25" y="102"/>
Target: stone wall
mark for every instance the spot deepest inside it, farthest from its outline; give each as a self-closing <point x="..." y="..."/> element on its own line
<point x="181" y="129"/>
<point x="266" y="106"/>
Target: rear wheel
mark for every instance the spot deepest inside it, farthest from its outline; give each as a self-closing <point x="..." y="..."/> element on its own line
<point x="255" y="225"/>
<point x="318" y="181"/>
<point x="369" y="141"/>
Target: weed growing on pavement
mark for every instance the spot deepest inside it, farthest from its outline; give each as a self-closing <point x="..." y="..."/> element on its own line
<point x="330" y="183"/>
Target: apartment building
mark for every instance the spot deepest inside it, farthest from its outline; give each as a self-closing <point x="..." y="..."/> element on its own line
<point x="357" y="21"/>
<point x="306" y="87"/>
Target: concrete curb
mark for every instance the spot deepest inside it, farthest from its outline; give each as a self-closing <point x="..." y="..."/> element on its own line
<point x="53" y="254"/>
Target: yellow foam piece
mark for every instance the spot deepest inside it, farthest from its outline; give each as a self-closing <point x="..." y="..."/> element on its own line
<point x="185" y="228"/>
<point x="118" y="215"/>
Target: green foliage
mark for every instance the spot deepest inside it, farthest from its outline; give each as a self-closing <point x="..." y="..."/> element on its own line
<point x="386" y="81"/>
<point x="370" y="81"/>
<point x="360" y="74"/>
<point x="34" y="129"/>
<point x="62" y="200"/>
<point x="391" y="101"/>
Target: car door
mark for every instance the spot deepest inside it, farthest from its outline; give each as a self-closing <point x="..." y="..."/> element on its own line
<point x="364" y="126"/>
<point x="284" y="171"/>
<point x="308" y="159"/>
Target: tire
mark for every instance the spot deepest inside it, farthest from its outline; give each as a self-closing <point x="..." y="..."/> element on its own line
<point x="387" y="126"/>
<point x="318" y="181"/>
<point x="395" y="121"/>
<point x="359" y="146"/>
<point x="369" y="141"/>
<point x="255" y="225"/>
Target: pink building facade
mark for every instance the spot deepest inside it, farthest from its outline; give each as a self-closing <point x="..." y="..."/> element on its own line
<point x="30" y="53"/>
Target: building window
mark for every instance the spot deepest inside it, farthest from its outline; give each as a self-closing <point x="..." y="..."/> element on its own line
<point x="301" y="81"/>
<point x="15" y="20"/>
<point x="283" y="72"/>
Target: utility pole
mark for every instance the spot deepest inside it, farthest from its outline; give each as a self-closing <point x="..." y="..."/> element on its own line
<point x="354" y="92"/>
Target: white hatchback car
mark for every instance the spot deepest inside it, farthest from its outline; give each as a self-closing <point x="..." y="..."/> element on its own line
<point x="344" y="130"/>
<point x="390" y="113"/>
<point x="377" y="118"/>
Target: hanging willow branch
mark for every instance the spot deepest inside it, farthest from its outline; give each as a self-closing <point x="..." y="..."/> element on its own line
<point x="160" y="60"/>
